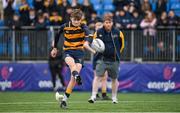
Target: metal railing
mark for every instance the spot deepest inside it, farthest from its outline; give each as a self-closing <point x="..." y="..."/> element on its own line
<point x="32" y="44"/>
<point x="26" y="44"/>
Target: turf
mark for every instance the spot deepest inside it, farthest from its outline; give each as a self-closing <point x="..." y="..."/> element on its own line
<point x="128" y="102"/>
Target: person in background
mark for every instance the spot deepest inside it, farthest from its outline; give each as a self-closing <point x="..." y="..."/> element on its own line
<point x="16" y="22"/>
<point x="46" y="18"/>
<point x="9" y="10"/>
<point x="108" y="61"/>
<point x="40" y="23"/>
<point x="136" y="4"/>
<point x="123" y="19"/>
<point x="55" y="19"/>
<point x="92" y="21"/>
<point x="67" y="14"/>
<point x="161" y="6"/>
<point x="131" y="9"/>
<point x="136" y="20"/>
<point x="38" y="5"/>
<point x="5" y="3"/>
<point x="61" y="8"/>
<point x="49" y="6"/>
<point x="16" y="26"/>
<point x="163" y="20"/>
<point x="145" y="7"/>
<point x="119" y="3"/>
<point x="87" y="8"/>
<point x="32" y="17"/>
<point x="172" y="18"/>
<point x="56" y="65"/>
<point x="23" y="10"/>
<point x="148" y="24"/>
<point x="98" y="25"/>
<point x="41" y="36"/>
<point x="76" y="5"/>
<point x="1" y="20"/>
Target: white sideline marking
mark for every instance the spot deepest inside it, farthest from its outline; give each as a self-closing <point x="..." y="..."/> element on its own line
<point x="14" y="103"/>
<point x="90" y="112"/>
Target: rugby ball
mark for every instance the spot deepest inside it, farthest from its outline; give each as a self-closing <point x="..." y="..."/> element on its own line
<point x="98" y="45"/>
<point x="58" y="97"/>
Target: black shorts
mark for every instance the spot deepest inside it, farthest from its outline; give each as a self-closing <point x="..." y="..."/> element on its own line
<point x="77" y="55"/>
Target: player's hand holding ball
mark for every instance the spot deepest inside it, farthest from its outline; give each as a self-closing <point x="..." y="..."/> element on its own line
<point x="98" y="45"/>
<point x="54" y="52"/>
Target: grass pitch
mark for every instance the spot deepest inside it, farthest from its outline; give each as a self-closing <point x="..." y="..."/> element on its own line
<point x="44" y="102"/>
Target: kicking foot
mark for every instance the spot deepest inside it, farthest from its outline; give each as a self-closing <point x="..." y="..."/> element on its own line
<point x="63" y="104"/>
<point x="78" y="80"/>
<point x="60" y="100"/>
<point x="59" y="97"/>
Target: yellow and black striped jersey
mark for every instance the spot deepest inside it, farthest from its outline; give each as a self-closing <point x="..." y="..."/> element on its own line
<point x="74" y="37"/>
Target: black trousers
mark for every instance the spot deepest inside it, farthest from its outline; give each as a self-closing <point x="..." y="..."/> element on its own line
<point x="56" y="67"/>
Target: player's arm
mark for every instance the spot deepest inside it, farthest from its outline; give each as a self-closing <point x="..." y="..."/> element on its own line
<point x="88" y="39"/>
<point x="87" y="43"/>
<point x="121" y="41"/>
<point x="57" y="36"/>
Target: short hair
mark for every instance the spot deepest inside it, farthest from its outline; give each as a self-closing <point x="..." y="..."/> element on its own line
<point x="107" y="18"/>
<point x="77" y="14"/>
<point x="98" y="19"/>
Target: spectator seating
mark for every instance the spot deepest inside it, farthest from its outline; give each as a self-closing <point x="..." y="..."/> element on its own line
<point x="174" y="5"/>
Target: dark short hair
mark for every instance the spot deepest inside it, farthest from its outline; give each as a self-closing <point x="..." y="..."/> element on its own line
<point x="98" y="19"/>
<point x="77" y="14"/>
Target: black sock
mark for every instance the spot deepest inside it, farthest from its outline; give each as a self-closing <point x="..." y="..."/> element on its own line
<point x="67" y="95"/>
<point x="97" y="95"/>
<point x="75" y="73"/>
<point x="103" y="94"/>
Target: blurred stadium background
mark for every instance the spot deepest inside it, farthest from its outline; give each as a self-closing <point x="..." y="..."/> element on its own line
<point x="149" y="71"/>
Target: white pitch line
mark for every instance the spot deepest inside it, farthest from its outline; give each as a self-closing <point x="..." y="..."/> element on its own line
<point x="89" y="112"/>
<point x="15" y="103"/>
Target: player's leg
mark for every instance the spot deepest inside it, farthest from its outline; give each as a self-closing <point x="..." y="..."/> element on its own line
<point x="113" y="71"/>
<point x="94" y="71"/>
<point x="69" y="88"/>
<point x="77" y="77"/>
<point x="59" y="71"/>
<point x="103" y="82"/>
<point x="114" y="90"/>
<point x="53" y="75"/>
<point x="104" y="87"/>
<point x="97" y="95"/>
<point x="72" y="82"/>
<point x="71" y="64"/>
<point x="100" y="70"/>
<point x="95" y="87"/>
<point x="74" y="69"/>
